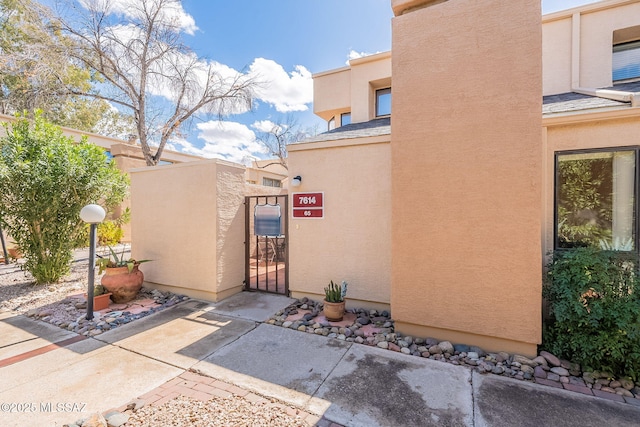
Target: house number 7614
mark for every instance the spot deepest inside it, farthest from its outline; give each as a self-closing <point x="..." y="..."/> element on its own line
<point x="307" y="200"/>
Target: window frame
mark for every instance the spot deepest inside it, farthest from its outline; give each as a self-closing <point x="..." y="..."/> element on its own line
<point x="342" y="123"/>
<point x="621" y="47"/>
<point x="377" y="95"/>
<point x="272" y="180"/>
<point x="636" y="191"/>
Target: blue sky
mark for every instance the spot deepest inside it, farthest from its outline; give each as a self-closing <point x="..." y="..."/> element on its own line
<point x="283" y="39"/>
<point x="284" y="42"/>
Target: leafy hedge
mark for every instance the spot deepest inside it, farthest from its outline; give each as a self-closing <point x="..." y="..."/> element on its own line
<point x="594" y="298"/>
<point x="45" y="179"/>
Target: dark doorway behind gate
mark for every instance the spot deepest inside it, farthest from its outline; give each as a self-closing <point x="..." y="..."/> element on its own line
<point x="266" y="253"/>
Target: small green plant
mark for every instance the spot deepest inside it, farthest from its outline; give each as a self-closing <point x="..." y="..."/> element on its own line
<point x="335" y="292"/>
<point x="99" y="290"/>
<point x="594" y="298"/>
<point x="115" y="260"/>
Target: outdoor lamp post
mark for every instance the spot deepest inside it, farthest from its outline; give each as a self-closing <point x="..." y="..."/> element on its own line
<point x="92" y="214"/>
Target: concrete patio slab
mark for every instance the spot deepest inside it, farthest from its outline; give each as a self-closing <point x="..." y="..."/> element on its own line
<point x="277" y="362"/>
<point x="86" y="383"/>
<point x="181" y="336"/>
<point x="20" y="334"/>
<point x="255" y="306"/>
<point x="32" y="370"/>
<point x="503" y="402"/>
<point x="374" y="387"/>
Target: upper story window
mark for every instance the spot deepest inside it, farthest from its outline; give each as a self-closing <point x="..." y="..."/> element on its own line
<point x="345" y="119"/>
<point x="383" y="102"/>
<point x="626" y="61"/>
<point x="270" y="182"/>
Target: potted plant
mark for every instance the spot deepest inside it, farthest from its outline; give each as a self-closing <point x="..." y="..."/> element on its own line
<point x="121" y="276"/>
<point x="101" y="298"/>
<point x="334" y="301"/>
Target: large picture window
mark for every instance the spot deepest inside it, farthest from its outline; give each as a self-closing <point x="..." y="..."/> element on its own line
<point x="596" y="199"/>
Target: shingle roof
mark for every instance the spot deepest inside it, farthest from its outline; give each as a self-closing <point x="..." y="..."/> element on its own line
<point x="375" y="127"/>
<point x="567" y="102"/>
<point x="551" y="104"/>
<point x="627" y="87"/>
<point x="571" y="101"/>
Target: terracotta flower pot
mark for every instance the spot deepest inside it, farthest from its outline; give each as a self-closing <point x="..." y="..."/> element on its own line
<point x="124" y="286"/>
<point x="334" y="311"/>
<point x="101" y="302"/>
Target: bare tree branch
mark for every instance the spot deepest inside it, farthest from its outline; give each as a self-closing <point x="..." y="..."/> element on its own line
<point x="276" y="136"/>
<point x="147" y="68"/>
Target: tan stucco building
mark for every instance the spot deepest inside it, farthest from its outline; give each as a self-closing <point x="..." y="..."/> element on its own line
<point x="441" y="202"/>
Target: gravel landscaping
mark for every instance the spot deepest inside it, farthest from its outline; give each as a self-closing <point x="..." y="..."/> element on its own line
<point x="218" y="411"/>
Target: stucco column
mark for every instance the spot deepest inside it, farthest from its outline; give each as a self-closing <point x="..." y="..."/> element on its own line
<point x="466" y="148"/>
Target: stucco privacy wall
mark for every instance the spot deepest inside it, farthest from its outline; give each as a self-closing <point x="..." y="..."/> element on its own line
<point x="199" y="204"/>
<point x="466" y="173"/>
<point x="353" y="241"/>
<point x="587" y="132"/>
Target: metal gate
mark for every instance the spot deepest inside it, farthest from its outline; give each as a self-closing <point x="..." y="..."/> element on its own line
<point x="267" y="253"/>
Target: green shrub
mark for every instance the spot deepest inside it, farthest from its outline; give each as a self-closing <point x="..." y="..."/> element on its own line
<point x="45" y="179"/>
<point x="594" y="299"/>
<point x="109" y="233"/>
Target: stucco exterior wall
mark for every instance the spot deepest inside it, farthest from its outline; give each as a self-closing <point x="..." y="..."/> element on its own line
<point x="353" y="241"/>
<point x="466" y="173"/>
<point x="190" y="221"/>
<point x="556" y="56"/>
<point x="367" y="75"/>
<point x="587" y="33"/>
<point x="332" y="93"/>
<point x="598" y="132"/>
<point x="352" y="89"/>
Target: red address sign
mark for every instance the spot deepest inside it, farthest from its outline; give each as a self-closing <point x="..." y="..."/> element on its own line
<point x="308" y="213"/>
<point x="308" y="200"/>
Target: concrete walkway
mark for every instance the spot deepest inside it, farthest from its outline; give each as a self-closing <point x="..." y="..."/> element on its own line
<point x="349" y="384"/>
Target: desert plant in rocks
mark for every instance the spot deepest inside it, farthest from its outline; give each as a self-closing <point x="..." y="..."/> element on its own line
<point x="335" y="292"/>
<point x="45" y="180"/>
<point x="594" y="300"/>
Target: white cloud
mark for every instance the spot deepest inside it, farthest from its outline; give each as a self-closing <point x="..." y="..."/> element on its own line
<point x="355" y="55"/>
<point x="223" y="140"/>
<point x="171" y="11"/>
<point x="263" y="125"/>
<point x="285" y="91"/>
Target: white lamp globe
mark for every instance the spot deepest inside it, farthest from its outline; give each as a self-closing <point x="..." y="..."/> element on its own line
<point x="92" y="214"/>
